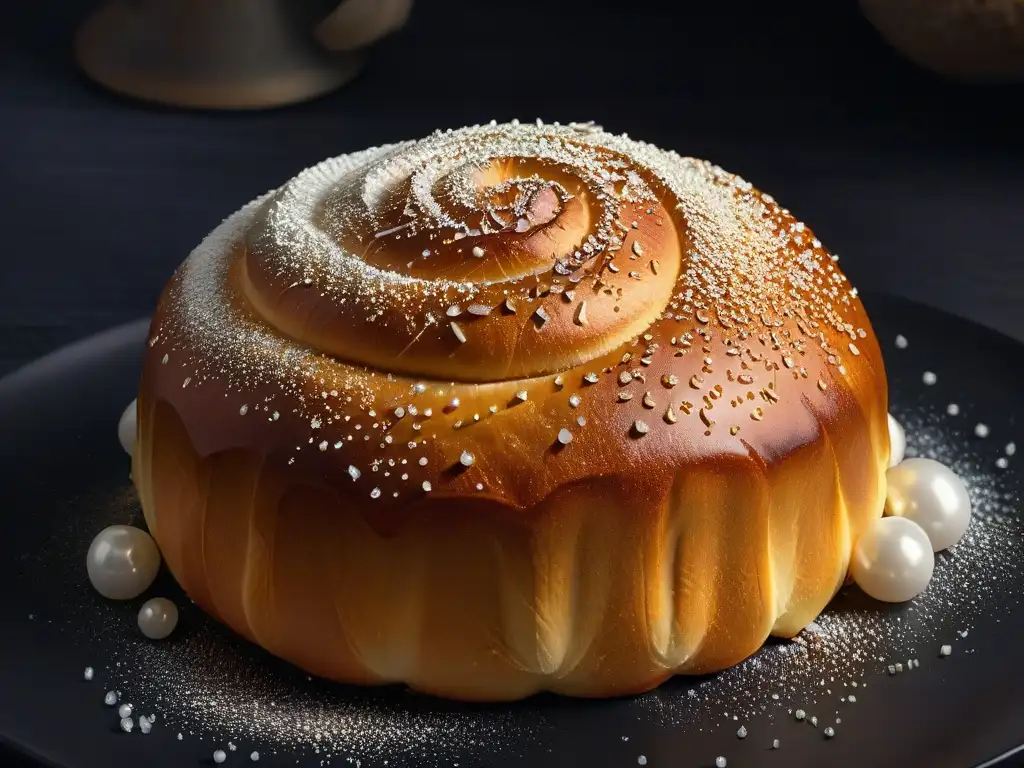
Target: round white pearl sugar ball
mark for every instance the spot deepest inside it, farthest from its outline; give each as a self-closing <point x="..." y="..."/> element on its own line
<point x="933" y="496"/>
<point x="122" y="562"/>
<point x="127" y="427"/>
<point x="897" y="442"/>
<point x="157" y="618"/>
<point x="893" y="560"/>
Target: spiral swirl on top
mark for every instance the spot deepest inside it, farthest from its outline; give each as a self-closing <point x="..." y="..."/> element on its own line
<point x="472" y="254"/>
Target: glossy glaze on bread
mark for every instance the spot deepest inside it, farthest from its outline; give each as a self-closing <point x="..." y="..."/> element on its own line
<point x="509" y="409"/>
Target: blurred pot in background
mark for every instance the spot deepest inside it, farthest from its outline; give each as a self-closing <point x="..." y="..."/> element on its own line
<point x="231" y="54"/>
<point x="979" y="40"/>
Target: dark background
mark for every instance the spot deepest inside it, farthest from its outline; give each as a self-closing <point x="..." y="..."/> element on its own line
<point x="915" y="182"/>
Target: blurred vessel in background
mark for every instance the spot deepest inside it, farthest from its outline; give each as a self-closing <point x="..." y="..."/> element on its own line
<point x="970" y="40"/>
<point x="231" y="54"/>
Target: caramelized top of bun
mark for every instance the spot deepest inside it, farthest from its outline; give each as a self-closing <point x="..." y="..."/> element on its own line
<point x="509" y="309"/>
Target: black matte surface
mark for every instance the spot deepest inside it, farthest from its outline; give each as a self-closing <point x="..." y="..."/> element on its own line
<point x="916" y="182"/>
<point x="59" y="437"/>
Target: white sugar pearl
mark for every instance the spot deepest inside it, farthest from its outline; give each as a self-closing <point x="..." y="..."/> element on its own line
<point x="88" y="674"/>
<point x="127" y="724"/>
<point x="897" y="442"/>
<point x="158" y="618"/>
<point x="127" y="427"/>
<point x="122" y="562"/>
<point x="933" y="496"/>
<point x="255" y="757"/>
<point x="219" y="756"/>
<point x="892" y="560"/>
<point x="125" y="710"/>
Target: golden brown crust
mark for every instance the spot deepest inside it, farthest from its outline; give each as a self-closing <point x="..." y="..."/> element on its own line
<point x="665" y="464"/>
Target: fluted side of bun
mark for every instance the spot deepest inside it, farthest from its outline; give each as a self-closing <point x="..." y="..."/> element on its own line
<point x="508" y="409"/>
